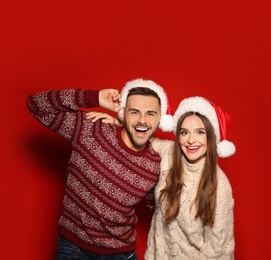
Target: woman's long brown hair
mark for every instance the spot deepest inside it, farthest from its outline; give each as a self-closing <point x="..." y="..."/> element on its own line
<point x="205" y="200"/>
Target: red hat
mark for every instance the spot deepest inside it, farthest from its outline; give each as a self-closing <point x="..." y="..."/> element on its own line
<point x="166" y="122"/>
<point x="219" y="119"/>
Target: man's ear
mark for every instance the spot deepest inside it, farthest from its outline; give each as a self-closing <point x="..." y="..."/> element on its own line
<point x="121" y="115"/>
<point x="121" y="119"/>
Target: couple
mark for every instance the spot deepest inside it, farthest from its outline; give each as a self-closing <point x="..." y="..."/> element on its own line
<point x="112" y="168"/>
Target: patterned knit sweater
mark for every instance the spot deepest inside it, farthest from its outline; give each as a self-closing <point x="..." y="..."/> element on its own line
<point x="105" y="179"/>
<point x="185" y="237"/>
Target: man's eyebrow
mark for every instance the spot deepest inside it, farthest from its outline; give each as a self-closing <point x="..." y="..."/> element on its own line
<point x="148" y="111"/>
<point x="152" y="111"/>
<point x="133" y="109"/>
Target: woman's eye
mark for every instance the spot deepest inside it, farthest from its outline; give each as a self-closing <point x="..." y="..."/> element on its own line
<point x="201" y="132"/>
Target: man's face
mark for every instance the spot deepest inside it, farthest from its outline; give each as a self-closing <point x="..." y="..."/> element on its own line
<point x="141" y="118"/>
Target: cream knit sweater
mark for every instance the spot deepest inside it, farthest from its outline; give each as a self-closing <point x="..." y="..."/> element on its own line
<point x="185" y="237"/>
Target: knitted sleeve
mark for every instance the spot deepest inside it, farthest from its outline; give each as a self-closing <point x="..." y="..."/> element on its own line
<point x="216" y="242"/>
<point x="58" y="109"/>
<point x="149" y="199"/>
<point x="163" y="147"/>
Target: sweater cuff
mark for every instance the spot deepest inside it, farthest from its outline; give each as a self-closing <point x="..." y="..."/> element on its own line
<point x="92" y="98"/>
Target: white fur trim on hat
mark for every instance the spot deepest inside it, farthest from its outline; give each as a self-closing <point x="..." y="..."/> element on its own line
<point x="200" y="105"/>
<point x="166" y="122"/>
<point x="225" y="149"/>
<point x="204" y="107"/>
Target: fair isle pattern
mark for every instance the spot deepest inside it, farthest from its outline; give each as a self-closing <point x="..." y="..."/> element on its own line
<point x="105" y="180"/>
<point x="87" y="140"/>
<point x="147" y="163"/>
<point x="68" y="126"/>
<point x="106" y="186"/>
<point x="82" y="234"/>
<point x="41" y="101"/>
<point x="85" y="195"/>
<point x="68" y="98"/>
<point x="112" y="163"/>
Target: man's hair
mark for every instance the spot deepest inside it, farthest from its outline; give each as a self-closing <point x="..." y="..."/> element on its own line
<point x="144" y="92"/>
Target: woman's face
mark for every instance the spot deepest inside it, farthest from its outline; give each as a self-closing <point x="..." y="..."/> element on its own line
<point x="193" y="139"/>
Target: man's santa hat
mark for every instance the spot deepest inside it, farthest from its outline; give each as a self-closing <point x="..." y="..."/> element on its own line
<point x="218" y="118"/>
<point x="166" y="122"/>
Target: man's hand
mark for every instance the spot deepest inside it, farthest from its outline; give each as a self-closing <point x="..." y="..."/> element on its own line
<point x="110" y="99"/>
<point x="106" y="118"/>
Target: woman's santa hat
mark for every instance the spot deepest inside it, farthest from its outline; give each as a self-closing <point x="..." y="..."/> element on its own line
<point x="166" y="122"/>
<point x="218" y="118"/>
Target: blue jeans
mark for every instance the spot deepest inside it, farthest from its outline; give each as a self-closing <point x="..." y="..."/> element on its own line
<point x="68" y="251"/>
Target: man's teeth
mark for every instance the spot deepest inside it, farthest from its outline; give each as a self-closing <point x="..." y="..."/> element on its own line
<point x="142" y="129"/>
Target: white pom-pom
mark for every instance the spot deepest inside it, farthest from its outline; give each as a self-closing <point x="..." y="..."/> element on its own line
<point x="225" y="149"/>
<point x="167" y="123"/>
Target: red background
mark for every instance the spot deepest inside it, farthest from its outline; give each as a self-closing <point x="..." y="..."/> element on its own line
<point x="217" y="49"/>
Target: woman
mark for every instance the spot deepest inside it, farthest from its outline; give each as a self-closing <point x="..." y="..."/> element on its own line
<point x="193" y="218"/>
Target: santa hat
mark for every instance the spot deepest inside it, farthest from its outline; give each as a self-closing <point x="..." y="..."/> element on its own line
<point x="166" y="122"/>
<point x="218" y="118"/>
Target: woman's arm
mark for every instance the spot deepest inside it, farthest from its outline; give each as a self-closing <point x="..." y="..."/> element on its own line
<point x="106" y="118"/>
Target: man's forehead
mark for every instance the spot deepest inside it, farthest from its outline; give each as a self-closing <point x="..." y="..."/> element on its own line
<point x="143" y="101"/>
<point x="137" y="98"/>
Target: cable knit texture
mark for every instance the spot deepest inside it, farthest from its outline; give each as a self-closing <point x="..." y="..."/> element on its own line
<point x="105" y="179"/>
<point x="185" y="237"/>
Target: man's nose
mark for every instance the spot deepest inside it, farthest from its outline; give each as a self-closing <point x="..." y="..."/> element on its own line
<point x="142" y="119"/>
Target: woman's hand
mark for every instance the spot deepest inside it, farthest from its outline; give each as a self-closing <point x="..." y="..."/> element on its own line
<point x="106" y="118"/>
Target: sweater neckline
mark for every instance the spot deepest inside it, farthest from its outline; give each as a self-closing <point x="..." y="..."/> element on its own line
<point x="192" y="171"/>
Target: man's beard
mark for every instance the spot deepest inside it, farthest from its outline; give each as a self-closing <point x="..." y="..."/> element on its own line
<point x="136" y="145"/>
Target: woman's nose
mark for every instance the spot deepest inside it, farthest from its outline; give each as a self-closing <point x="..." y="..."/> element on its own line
<point x="192" y="138"/>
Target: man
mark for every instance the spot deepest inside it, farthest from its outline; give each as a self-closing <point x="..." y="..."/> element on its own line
<point x="111" y="168"/>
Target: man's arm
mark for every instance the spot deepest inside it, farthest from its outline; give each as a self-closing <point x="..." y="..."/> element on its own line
<point x="58" y="109"/>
